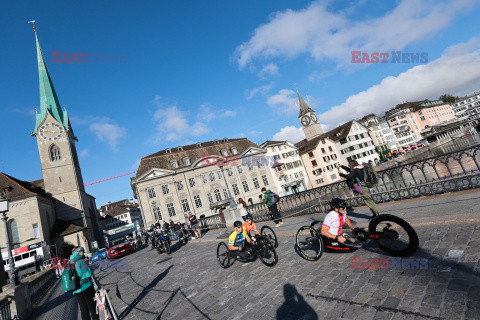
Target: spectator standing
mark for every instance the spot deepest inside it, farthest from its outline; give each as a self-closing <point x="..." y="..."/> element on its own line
<point x="85" y="294"/>
<point x="172" y="230"/>
<point x="194" y="223"/>
<point x="243" y="208"/>
<point x="270" y="199"/>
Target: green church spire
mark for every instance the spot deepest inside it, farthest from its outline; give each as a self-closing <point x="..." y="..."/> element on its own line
<point x="48" y="97"/>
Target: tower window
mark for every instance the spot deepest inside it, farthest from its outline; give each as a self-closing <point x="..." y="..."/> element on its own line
<point x="55" y="153"/>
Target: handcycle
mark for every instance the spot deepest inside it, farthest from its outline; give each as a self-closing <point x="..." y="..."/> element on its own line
<point x="390" y="233"/>
<point x="261" y="247"/>
<point x="268" y="233"/>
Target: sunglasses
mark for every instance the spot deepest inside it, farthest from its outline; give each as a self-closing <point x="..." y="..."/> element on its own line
<point x="342" y="208"/>
<point x="238" y="227"/>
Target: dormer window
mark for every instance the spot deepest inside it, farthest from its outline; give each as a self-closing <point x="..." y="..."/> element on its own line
<point x="174" y="163"/>
<point x="234" y="150"/>
<point x="186" y="161"/>
<point x="224" y="152"/>
<point x="198" y="145"/>
<point x="180" y="149"/>
<point x="215" y="141"/>
<point x="168" y="150"/>
<point x="225" y="140"/>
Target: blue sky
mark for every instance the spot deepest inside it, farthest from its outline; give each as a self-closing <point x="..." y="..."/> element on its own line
<point x="200" y="70"/>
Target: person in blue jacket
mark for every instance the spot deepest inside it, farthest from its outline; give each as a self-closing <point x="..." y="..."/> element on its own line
<point x="86" y="292"/>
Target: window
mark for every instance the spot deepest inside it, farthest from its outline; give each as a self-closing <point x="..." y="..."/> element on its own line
<point x="204" y="178"/>
<point x="330" y="148"/>
<point x="210" y="199"/>
<point x="265" y="180"/>
<point x="218" y="196"/>
<point x="151" y="193"/>
<point x="198" y="201"/>
<point x="174" y="163"/>
<point x="310" y="154"/>
<point x="422" y="118"/>
<point x="240" y="169"/>
<point x="185" y="205"/>
<point x="318" y="181"/>
<point x="186" y="161"/>
<point x="229" y="172"/>
<point x="156" y="213"/>
<point x="323" y="150"/>
<point x="224" y="152"/>
<point x="245" y="186"/>
<point x="255" y="183"/>
<point x="165" y="189"/>
<point x="212" y="176"/>
<point x="36" y="231"/>
<point x="171" y="209"/>
<point x="234" y="150"/>
<point x="314" y="163"/>
<point x="225" y="193"/>
<point x="219" y="173"/>
<point x="55" y="153"/>
<point x="192" y="182"/>
<point x="179" y="185"/>
<point x="235" y="189"/>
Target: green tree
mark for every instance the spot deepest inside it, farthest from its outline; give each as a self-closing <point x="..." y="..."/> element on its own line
<point x="448" y="98"/>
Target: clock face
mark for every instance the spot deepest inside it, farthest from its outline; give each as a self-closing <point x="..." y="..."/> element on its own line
<point x="50" y="131"/>
<point x="314" y="118"/>
<point x="305" y="121"/>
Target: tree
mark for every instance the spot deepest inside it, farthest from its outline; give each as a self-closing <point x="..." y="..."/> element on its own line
<point x="448" y="98"/>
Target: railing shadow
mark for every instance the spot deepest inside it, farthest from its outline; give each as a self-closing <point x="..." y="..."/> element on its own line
<point x="294" y="305"/>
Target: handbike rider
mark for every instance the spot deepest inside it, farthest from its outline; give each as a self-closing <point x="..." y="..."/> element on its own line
<point x="236" y="241"/>
<point x="332" y="227"/>
<point x="249" y="225"/>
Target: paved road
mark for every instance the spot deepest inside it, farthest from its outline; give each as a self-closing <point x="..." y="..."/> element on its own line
<point x="189" y="284"/>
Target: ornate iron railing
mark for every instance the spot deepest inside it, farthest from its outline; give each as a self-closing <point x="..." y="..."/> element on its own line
<point x="212" y="222"/>
<point x="5" y="312"/>
<point x="453" y="171"/>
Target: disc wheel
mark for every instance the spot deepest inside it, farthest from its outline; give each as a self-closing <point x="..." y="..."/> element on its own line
<point x="308" y="243"/>
<point x="393" y="235"/>
<point x="223" y="255"/>
<point x="268" y="233"/>
<point x="266" y="252"/>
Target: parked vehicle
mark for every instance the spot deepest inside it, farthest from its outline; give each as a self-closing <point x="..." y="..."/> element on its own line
<point x="99" y="255"/>
<point x="118" y="248"/>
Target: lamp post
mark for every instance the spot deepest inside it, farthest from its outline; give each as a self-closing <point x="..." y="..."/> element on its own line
<point x="233" y="204"/>
<point x="12" y="273"/>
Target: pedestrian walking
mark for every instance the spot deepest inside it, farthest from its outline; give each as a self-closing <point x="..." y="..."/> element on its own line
<point x="243" y="208"/>
<point x="355" y="177"/>
<point x="270" y="199"/>
<point x="85" y="294"/>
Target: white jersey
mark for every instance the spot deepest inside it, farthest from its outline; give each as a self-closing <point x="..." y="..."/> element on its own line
<point x="334" y="222"/>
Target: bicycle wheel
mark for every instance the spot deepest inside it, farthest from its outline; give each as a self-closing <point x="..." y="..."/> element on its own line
<point x="393" y="235"/>
<point x="223" y="255"/>
<point x="309" y="243"/>
<point x="266" y="252"/>
<point x="167" y="247"/>
<point x="268" y="233"/>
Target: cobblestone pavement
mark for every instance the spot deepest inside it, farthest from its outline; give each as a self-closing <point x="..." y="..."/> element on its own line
<point x="189" y="283"/>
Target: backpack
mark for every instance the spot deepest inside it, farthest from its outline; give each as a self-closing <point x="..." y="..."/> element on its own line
<point x="70" y="278"/>
<point x="370" y="178"/>
<point x="274" y="197"/>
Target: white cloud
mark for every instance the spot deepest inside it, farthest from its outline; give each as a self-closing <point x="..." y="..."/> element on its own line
<point x="172" y="123"/>
<point x="83" y="153"/>
<point x="108" y="132"/>
<point x="455" y="72"/>
<point x="290" y="133"/>
<point x="136" y="164"/>
<point x="208" y="112"/>
<point x="327" y="35"/>
<point x="270" y="69"/>
<point x="284" y="101"/>
<point x="262" y="90"/>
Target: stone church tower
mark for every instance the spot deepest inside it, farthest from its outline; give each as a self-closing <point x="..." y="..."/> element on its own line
<point x="309" y="120"/>
<point x="58" y="156"/>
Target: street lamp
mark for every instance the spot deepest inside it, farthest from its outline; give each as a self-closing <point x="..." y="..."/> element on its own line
<point x="233" y="204"/>
<point x="12" y="273"/>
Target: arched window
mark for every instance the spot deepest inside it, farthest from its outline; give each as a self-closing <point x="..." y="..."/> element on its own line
<point x="174" y="163"/>
<point x="14" y="237"/>
<point x="224" y="152"/>
<point x="186" y="161"/>
<point x="55" y="153"/>
<point x="234" y="150"/>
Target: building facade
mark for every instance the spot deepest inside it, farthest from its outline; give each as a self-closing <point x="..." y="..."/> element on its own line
<point x="287" y="168"/>
<point x="468" y="107"/>
<point x="175" y="181"/>
<point x="120" y="218"/>
<point x="375" y="130"/>
<point x="428" y="114"/>
<point x="401" y="127"/>
<point x="353" y="142"/>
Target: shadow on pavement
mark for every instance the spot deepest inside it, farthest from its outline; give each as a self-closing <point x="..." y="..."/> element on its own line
<point x="294" y="306"/>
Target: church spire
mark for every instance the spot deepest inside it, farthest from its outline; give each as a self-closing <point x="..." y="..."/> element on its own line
<point x="48" y="97"/>
<point x="304" y="108"/>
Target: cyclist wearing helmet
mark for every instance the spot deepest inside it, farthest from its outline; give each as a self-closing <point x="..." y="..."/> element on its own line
<point x="334" y="221"/>
<point x="236" y="240"/>
<point x="249" y="225"/>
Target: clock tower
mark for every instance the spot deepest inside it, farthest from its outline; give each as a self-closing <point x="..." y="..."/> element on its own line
<point x="61" y="172"/>
<point x="309" y="120"/>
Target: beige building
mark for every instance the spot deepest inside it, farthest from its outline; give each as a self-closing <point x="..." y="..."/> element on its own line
<point x="185" y="179"/>
<point x="120" y="218"/>
<point x="55" y="209"/>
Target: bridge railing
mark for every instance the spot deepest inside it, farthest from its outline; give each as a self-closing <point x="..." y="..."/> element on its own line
<point x="212" y="222"/>
<point x="453" y="171"/>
